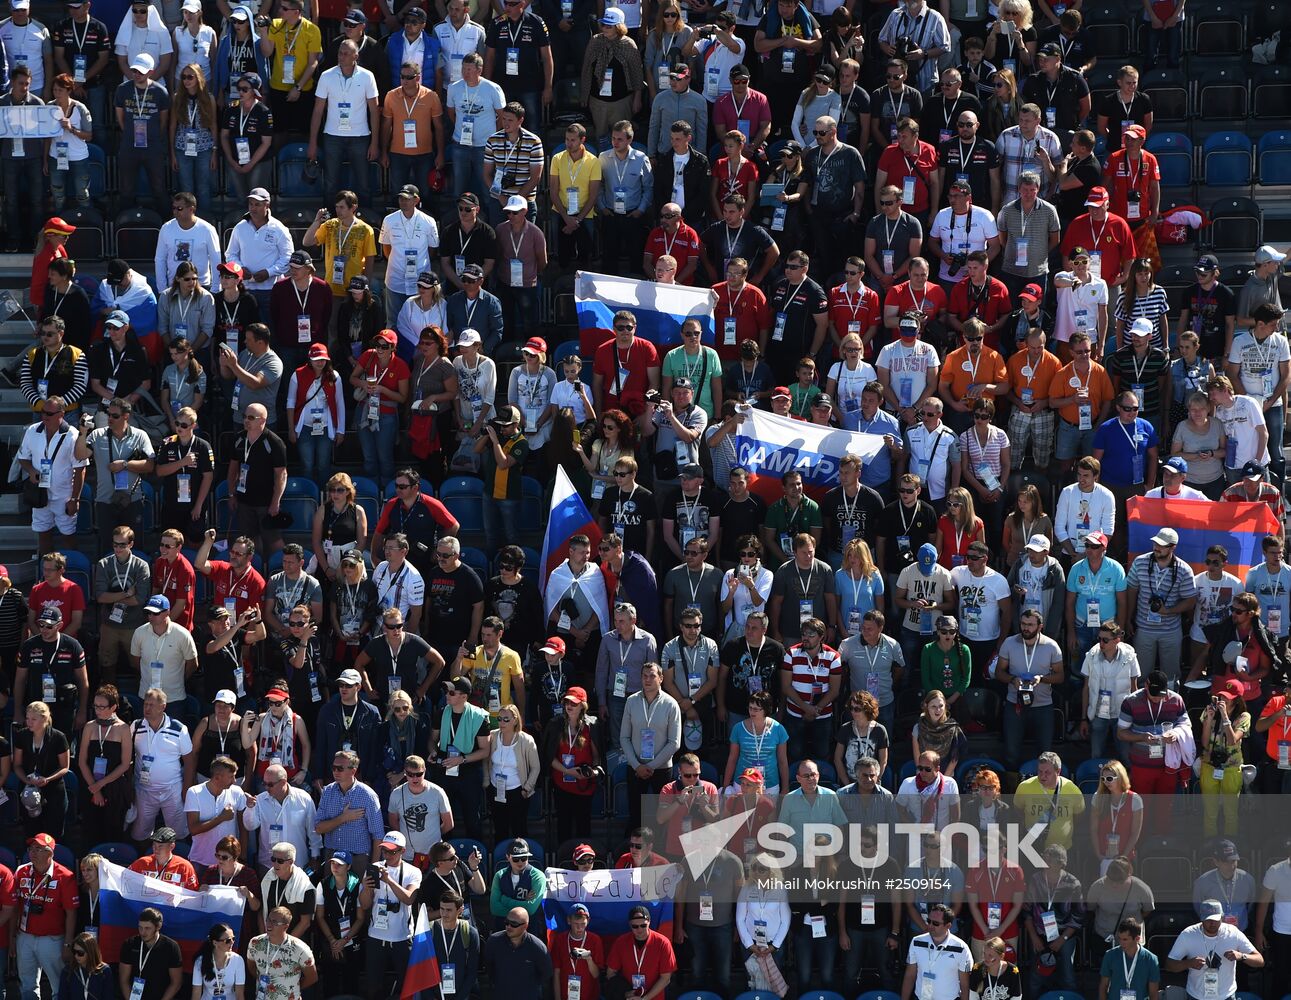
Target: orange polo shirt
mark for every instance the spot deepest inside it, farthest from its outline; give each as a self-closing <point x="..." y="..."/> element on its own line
<point x="990" y="368"/>
<point x="1100" y="390"/>
<point x="423" y="109"/>
<point x="1040" y="378"/>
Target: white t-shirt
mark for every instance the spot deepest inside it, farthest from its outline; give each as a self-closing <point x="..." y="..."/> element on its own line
<point x="850" y="384"/>
<point x="196" y="50"/>
<point x="1078" y="308"/>
<point x="161" y="751"/>
<point x="1193" y="942"/>
<point x="1213" y="600"/>
<point x="411" y="242"/>
<point x="347" y="100"/>
<point x="937" y="967"/>
<point x="403" y="589"/>
<point x="715" y="59"/>
<point x="1278" y="881"/>
<point x="199" y="800"/>
<point x="1259" y="362"/>
<point x="979" y="597"/>
<point x="908" y="368"/>
<point x="221" y="985"/>
<point x="962" y="234"/>
<point x="1110" y="677"/>
<point x="566" y="394"/>
<point x="1185" y="493"/>
<point x="419" y="815"/>
<point x="397" y="926"/>
<point x="1240" y="422"/>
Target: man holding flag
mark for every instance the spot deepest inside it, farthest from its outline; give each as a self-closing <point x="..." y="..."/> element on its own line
<point x="445" y="955"/>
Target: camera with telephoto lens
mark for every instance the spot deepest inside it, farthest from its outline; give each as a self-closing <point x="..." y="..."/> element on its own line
<point x="957" y="261"/>
<point x="1155" y="604"/>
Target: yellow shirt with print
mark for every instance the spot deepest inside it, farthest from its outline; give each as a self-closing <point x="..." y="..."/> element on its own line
<point x="1057" y="810"/>
<point x="299" y="44"/>
<point x="477" y="667"/>
<point x="579" y="174"/>
<point x="360" y="243"/>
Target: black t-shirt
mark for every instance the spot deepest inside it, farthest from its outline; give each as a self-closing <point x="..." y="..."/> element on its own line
<point x="218" y="667"/>
<point x="413" y="648"/>
<point x="738" y="384"/>
<point x="276" y="895"/>
<point x="690" y="512"/>
<point x="847" y="518"/>
<point x="853" y="917"/>
<point x="1062" y="96"/>
<point x="982" y="157"/>
<point x="62" y="659"/>
<point x="628" y="514"/>
<point x="1207" y="311"/>
<point x="452" y="598"/>
<point x="889" y="108"/>
<point x="129" y="367"/>
<point x="528" y="35"/>
<point x="475" y="247"/>
<point x="152" y="965"/>
<point x="742" y="662"/>
<point x="45" y="760"/>
<point x="520" y="608"/>
<point x="257" y="123"/>
<point x="740" y="518"/>
<point x="832" y="180"/>
<point x="298" y="685"/>
<point x="261" y="459"/>
<point x="172" y="451"/>
<point x="232" y="320"/>
<point x="855" y="104"/>
<point x="895" y="523"/>
<point x="939" y="118"/>
<point x="90" y="39"/>
<point x="73" y="308"/>
<point x="721" y="243"/>
<point x="1071" y="201"/>
<point x="801" y="304"/>
<point x="434" y="884"/>
<point x="1118" y="115"/>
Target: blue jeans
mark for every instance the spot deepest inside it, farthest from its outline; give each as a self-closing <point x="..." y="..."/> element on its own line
<point x="378" y="447"/>
<point x="711" y="946"/>
<point x="869" y="946"/>
<point x="1071" y="442"/>
<point x="815" y="958"/>
<point x="410" y="170"/>
<point x="96" y="99"/>
<point x="37" y="955"/>
<point x="1102" y="736"/>
<point x="24" y="185"/>
<point x="532" y="101"/>
<point x="74" y="183"/>
<point x="501" y="521"/>
<point x="808" y="739"/>
<point x="1275" y="418"/>
<point x="912" y="644"/>
<point x="195" y="175"/>
<point x="351" y="149"/>
<point x="1039" y="720"/>
<point x="315" y="452"/>
<point x="468" y="171"/>
<point x="1064" y="973"/>
<point x="1173" y="38"/>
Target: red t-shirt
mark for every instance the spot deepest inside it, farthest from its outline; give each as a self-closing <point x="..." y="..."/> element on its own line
<point x="66" y="596"/>
<point x="567" y="965"/>
<point x="846" y="308"/>
<point x="763" y="813"/>
<point x="1112" y="239"/>
<point x="628" y="394"/>
<point x="990" y="306"/>
<point x="433" y="507"/>
<point x="1280" y="731"/>
<point x="931" y="302"/>
<point x="177" y="871"/>
<point x="684" y="245"/>
<point x="176" y="580"/>
<point x="1120" y="177"/>
<point x="245" y="588"/>
<point x="390" y="377"/>
<point x="741" y="183"/>
<point x="55" y="891"/>
<point x="40" y="271"/>
<point x="898" y="166"/>
<point x="996" y="887"/>
<point x="651" y="960"/>
<point x="625" y="861"/>
<point x="6" y="892"/>
<point x="676" y="824"/>
<point x="751" y="313"/>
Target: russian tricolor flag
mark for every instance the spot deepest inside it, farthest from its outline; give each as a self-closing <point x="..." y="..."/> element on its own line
<point x="768" y="446"/>
<point x="423" y="963"/>
<point x="187" y="916"/>
<point x="568" y="517"/>
<point x="1238" y="527"/>
<point x="660" y="309"/>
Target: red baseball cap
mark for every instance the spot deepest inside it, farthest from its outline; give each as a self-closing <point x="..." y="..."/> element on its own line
<point x="388" y="336"/>
<point x="1098" y="197"/>
<point x="555" y="645"/>
<point x="577" y="694"/>
<point x="319" y="351"/>
<point x="42" y="840"/>
<point x="1033" y="292"/>
<point x="535" y="345"/>
<point x="58" y="225"/>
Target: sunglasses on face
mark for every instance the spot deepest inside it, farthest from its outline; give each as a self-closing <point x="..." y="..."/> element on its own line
<point x="394" y="626"/>
<point x="639" y="927"/>
<point x="514" y="923"/>
<point x="925" y="768"/>
<point x="955" y="504"/>
<point x="820" y="133"/>
<point x="1128" y="409"/>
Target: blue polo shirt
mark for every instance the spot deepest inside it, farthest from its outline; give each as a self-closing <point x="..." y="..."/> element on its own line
<point x="1103" y="585"/>
<point x="876" y="472"/>
<point x="1120" y="443"/>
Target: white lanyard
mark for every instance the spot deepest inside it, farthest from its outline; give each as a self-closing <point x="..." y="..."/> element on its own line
<point x="640" y="958"/>
<point x="1129" y="969"/>
<point x="302" y="299"/>
<point x="1028" y="654"/>
<point x="647" y="709"/>
<point x="143" y="958"/>
<point x="889" y="232"/>
<point x="141" y="102"/>
<point x="855" y="309"/>
<point x="408" y="110"/>
<point x="1139" y="368"/>
<point x="121" y="579"/>
<point x="184" y="307"/>
<point x="117" y="363"/>
<point x="342" y="240"/>
<point x="758" y="738"/>
<point x="1130" y="438"/>
<point x="964" y="160"/>
<point x="668" y="243"/>
<point x="49" y="362"/>
<point x="245" y="573"/>
<point x="731" y="244"/>
<point x="849" y="510"/>
<point x="516" y="244"/>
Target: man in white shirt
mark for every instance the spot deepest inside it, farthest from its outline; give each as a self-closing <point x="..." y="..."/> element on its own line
<point x="1259" y="365"/>
<point x="419" y="809"/>
<point x="389" y="901"/>
<point x="1210" y="953"/>
<point x="186" y="238"/>
<point x="932" y="453"/>
<point x="1244" y="423"/>
<point x="347" y="97"/>
<point x="214" y="809"/>
<point x="284" y="814"/>
<point x="1172" y="485"/>
<point x="48" y="457"/>
<point x="24" y="41"/>
<point x="163" y="651"/>
<point x="164" y="763"/>
<point x="1276" y="890"/>
<point x="262" y="246"/>
<point x="409" y="241"/>
<point x="1111" y="671"/>
<point x="959" y="229"/>
<point x="457" y="35"/>
<point x="938" y="963"/>
<point x="1082" y="302"/>
<point x="985" y="605"/>
<point x="399" y="584"/>
<point x="928" y="796"/>
<point x="1083" y="507"/>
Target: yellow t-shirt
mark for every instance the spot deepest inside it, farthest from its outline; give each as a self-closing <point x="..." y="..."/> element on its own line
<point x="299" y="45"/>
<point x="579" y="175"/>
<point x="1057" y="809"/>
<point x="360" y="243"/>
<point x="477" y="667"/>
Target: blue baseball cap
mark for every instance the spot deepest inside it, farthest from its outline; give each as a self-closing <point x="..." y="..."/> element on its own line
<point x="156" y="604"/>
<point x="117" y="318"/>
<point x="927" y="557"/>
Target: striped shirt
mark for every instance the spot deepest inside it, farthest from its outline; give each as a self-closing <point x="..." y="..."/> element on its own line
<point x="1154" y="306"/>
<point x="989" y="454"/>
<point x="1145" y="371"/>
<point x="1017" y="154"/>
<point x="811" y="676"/>
<point x="514" y="160"/>
<point x="1172" y="585"/>
<point x="1027" y="233"/>
<point x="1139" y="715"/>
<point x="13" y="615"/>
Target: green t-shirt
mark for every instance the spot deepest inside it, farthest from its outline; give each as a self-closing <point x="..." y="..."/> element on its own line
<point x="947" y="671"/>
<point x="700" y="369"/>
<point x="782" y="521"/>
<point x="801" y="400"/>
